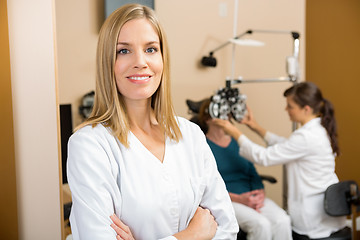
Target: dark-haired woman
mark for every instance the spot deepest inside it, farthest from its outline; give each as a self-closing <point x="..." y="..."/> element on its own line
<point x="309" y="154"/>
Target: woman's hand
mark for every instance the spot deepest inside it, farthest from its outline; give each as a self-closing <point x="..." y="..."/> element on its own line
<point x="242" y="198"/>
<point x="228" y="127"/>
<point x="253" y="199"/>
<point x="123" y="231"/>
<point x="201" y="227"/>
<point x="257" y="199"/>
<point x="250" y="121"/>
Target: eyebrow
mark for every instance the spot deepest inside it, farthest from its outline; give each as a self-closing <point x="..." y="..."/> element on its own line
<point x="148" y="43"/>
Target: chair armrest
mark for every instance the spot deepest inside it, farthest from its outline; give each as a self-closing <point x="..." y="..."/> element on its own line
<point x="268" y="178"/>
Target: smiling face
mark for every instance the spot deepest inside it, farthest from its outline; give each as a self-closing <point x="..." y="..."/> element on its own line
<point x="139" y="64"/>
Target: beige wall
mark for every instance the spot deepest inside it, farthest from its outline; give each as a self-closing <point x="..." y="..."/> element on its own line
<point x="77" y="26"/>
<point x="33" y="80"/>
<point x="8" y="202"/>
<point x="32" y="58"/>
<point x="193" y="29"/>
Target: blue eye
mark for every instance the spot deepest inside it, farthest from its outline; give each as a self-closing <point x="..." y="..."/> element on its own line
<point x="123" y="51"/>
<point x="151" y="50"/>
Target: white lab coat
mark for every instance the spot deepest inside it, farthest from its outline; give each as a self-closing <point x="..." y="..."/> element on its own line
<point x="156" y="200"/>
<point x="310" y="166"/>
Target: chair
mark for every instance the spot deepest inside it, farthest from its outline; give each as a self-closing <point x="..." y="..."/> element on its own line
<point x="341" y="199"/>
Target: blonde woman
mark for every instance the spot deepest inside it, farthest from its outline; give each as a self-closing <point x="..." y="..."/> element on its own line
<point x="133" y="160"/>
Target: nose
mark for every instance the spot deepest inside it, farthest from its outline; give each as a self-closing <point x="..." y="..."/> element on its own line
<point x="140" y="60"/>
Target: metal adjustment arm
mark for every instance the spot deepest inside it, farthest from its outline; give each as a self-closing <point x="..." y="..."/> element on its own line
<point x="292" y="62"/>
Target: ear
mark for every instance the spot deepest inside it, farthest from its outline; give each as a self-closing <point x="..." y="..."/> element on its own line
<point x="308" y="109"/>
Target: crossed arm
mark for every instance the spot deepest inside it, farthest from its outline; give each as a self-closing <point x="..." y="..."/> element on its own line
<point x="201" y="227"/>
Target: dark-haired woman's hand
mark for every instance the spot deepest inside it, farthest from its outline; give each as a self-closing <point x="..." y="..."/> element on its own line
<point x="249" y="120"/>
<point x="228" y="127"/>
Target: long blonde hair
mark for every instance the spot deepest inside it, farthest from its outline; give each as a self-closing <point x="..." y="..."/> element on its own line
<point x="109" y="108"/>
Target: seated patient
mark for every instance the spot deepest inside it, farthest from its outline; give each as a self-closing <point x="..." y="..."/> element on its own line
<point x="257" y="215"/>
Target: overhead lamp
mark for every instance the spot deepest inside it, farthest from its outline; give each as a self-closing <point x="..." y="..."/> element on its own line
<point x="247" y="42"/>
<point x="210" y="61"/>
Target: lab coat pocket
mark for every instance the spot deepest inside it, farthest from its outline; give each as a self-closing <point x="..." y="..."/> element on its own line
<point x="198" y="187"/>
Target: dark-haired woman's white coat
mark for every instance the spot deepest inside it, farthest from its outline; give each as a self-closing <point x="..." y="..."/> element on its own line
<point x="310" y="167"/>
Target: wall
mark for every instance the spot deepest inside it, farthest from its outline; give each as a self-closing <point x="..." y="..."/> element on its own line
<point x="193" y="29"/>
<point x="332" y="61"/>
<point x="32" y="55"/>
<point x="192" y="33"/>
<point x="77" y="26"/>
<point x="8" y="220"/>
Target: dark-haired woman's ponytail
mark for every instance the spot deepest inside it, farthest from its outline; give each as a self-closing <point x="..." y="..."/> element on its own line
<point x="329" y="123"/>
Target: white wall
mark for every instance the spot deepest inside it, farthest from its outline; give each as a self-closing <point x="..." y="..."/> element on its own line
<point x="32" y="57"/>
